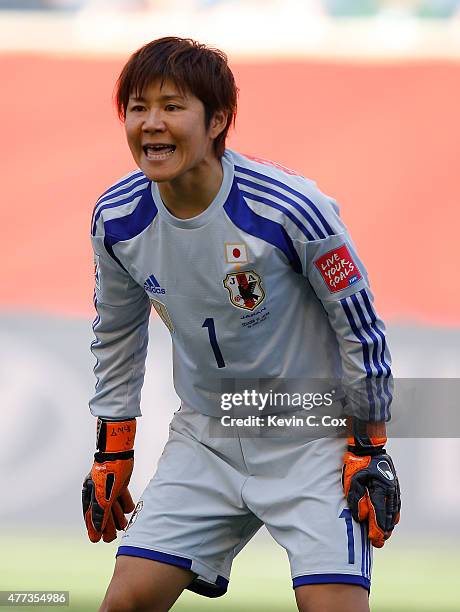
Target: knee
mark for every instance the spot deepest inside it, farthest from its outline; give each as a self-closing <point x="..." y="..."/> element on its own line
<point x="118" y="601"/>
<point x="121" y="600"/>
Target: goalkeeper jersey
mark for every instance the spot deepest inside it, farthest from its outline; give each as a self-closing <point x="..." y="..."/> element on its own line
<point x="264" y="284"/>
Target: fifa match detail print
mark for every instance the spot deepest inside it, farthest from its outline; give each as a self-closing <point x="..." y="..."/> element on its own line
<point x="338" y="269"/>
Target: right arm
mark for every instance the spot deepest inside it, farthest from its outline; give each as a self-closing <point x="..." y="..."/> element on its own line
<point x="120" y="345"/>
<point x="120" y="348"/>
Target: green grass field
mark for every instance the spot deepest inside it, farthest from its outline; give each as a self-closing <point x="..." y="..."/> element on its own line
<point x="406" y="579"/>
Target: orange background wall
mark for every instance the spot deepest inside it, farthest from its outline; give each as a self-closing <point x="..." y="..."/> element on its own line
<point x="383" y="139"/>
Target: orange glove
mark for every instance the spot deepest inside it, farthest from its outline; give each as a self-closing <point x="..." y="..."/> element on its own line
<point x="369" y="481"/>
<point x="105" y="495"/>
<point x="371" y="487"/>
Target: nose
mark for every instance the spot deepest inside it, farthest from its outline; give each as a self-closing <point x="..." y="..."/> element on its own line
<point x="154" y="121"/>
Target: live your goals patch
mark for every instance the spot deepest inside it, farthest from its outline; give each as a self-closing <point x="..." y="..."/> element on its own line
<point x="338" y="269"/>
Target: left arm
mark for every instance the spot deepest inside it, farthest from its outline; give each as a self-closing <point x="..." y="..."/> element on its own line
<point x="340" y="281"/>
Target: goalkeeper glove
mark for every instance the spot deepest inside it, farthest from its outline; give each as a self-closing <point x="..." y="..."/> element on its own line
<point x="105" y="495"/>
<point x="369" y="481"/>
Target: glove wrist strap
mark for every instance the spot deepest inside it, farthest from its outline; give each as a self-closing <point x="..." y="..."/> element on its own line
<point x="115" y="436"/>
<point x="366" y="438"/>
<point x="367" y="452"/>
<point x="100" y="457"/>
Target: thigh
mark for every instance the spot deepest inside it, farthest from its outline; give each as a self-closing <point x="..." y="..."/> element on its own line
<point x="304" y="509"/>
<point x="332" y="598"/>
<point x="141" y="584"/>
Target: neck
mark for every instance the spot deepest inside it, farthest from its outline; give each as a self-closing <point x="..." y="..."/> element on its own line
<point x="190" y="195"/>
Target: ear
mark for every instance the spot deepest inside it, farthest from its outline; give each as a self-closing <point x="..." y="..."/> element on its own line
<point x="218" y="123"/>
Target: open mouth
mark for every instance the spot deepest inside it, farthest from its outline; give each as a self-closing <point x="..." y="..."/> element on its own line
<point x="158" y="152"/>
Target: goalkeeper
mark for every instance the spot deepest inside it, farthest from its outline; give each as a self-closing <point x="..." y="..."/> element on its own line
<point x="254" y="274"/>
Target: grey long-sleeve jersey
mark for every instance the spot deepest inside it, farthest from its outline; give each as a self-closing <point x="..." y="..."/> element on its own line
<point x="264" y="284"/>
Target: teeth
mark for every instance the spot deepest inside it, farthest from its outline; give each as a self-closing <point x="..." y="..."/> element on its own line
<point x="159" y="152"/>
<point x="159" y="147"/>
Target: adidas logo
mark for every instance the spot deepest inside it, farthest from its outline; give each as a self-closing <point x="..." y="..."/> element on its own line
<point x="153" y="286"/>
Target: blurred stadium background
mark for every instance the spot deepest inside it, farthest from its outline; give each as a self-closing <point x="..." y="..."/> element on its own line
<point x="362" y="96"/>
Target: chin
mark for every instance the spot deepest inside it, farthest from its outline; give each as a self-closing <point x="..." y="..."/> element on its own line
<point x="158" y="179"/>
<point x="154" y="174"/>
<point x="157" y="173"/>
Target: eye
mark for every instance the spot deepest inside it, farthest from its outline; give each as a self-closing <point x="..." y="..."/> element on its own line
<point x="137" y="108"/>
<point x="171" y="107"/>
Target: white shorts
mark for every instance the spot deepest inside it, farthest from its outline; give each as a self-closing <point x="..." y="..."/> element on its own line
<point x="211" y="494"/>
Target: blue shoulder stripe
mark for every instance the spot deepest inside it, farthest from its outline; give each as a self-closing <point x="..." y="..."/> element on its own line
<point x="130" y="197"/>
<point x="288" y="213"/>
<point x="132" y="176"/>
<point x="260" y="227"/>
<point x="288" y="200"/>
<point x="298" y="194"/>
<point x="109" y="196"/>
<point x="126" y="228"/>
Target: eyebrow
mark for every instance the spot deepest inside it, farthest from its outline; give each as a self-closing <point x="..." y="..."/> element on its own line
<point x="164" y="97"/>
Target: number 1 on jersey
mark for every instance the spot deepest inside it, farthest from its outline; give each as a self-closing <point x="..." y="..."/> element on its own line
<point x="209" y="323"/>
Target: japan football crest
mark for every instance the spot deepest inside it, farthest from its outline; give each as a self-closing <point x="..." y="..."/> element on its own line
<point x="245" y="289"/>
